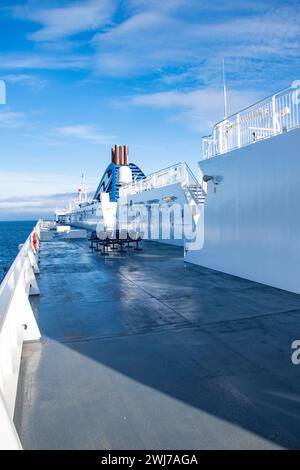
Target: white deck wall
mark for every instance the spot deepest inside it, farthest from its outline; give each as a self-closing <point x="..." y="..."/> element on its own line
<point x="158" y="193"/>
<point x="252" y="221"/>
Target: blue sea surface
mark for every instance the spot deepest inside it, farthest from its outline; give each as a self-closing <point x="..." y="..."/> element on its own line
<point x="12" y="234"/>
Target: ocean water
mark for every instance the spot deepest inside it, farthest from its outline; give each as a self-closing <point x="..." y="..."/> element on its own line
<point x="12" y="234"/>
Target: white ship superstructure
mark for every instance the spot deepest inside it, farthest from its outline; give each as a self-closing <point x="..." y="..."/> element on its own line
<point x="242" y="207"/>
<point x="150" y="349"/>
<point x="247" y="194"/>
<point x="101" y="209"/>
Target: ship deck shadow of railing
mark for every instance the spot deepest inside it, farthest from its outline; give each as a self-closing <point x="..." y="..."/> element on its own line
<point x="161" y="350"/>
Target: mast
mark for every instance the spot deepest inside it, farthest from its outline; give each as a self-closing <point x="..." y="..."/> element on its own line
<point x="224" y="91"/>
<point x="82" y="193"/>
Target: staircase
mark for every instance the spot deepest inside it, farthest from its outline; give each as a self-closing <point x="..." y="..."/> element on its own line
<point x="191" y="186"/>
<point x="195" y="196"/>
<point x="197" y="193"/>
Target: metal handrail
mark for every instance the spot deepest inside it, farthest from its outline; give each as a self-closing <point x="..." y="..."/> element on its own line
<point x="17" y="324"/>
<point x="11" y="278"/>
<point x="163" y="170"/>
<point x="192" y="176"/>
<point x="180" y="173"/>
<point x="154" y="180"/>
<point x="266" y="118"/>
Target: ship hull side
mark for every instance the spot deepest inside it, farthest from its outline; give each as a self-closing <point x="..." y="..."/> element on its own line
<point x="252" y="223"/>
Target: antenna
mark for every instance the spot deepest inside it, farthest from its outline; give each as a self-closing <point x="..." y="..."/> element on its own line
<point x="224" y="90"/>
<point x="82" y="193"/>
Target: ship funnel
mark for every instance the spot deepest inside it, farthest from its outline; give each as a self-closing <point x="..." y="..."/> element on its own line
<point x="119" y="155"/>
<point x="125" y="153"/>
<point x="122" y="156"/>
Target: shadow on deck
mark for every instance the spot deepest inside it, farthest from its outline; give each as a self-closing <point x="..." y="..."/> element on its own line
<point x="146" y="351"/>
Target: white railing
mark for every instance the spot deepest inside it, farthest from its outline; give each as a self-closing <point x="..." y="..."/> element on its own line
<point x="267" y="118"/>
<point x="179" y="173"/>
<point x="17" y="324"/>
<point x="45" y="225"/>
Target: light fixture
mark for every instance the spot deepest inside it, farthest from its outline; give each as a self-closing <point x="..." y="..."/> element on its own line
<point x="169" y="199"/>
<point x="153" y="201"/>
<point x="207" y="178"/>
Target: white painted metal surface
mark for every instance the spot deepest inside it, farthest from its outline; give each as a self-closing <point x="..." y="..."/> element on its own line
<point x="63" y="228"/>
<point x="17" y="324"/>
<point x="252" y="225"/>
<point x="125" y="175"/>
<point x="267" y="118"/>
<point x="156" y="180"/>
<point x="179" y="173"/>
<point x="174" y="186"/>
<point x="75" y="234"/>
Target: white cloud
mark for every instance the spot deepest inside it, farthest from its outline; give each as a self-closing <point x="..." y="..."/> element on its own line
<point x="44" y="62"/>
<point x="35" y="195"/>
<point x="273" y="32"/>
<point x="37" y="185"/>
<point x="146" y="41"/>
<point x="67" y="20"/>
<point x="89" y="133"/>
<point x="189" y="7"/>
<point x="11" y="119"/>
<point x="179" y="42"/>
<point x="154" y="36"/>
<point x="157" y="36"/>
<point x="25" y="79"/>
<point x="33" y="207"/>
<point x="198" y="110"/>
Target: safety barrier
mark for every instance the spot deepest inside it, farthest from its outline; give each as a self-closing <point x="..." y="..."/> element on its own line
<point x="263" y="120"/>
<point x="17" y="325"/>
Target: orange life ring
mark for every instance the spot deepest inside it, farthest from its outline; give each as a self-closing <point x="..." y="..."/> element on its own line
<point x="35" y="241"/>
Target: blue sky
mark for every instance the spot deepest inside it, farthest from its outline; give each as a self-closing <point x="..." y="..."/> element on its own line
<point x="84" y="75"/>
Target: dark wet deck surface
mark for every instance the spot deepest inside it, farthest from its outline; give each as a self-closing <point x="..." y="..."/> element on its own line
<point x="145" y="351"/>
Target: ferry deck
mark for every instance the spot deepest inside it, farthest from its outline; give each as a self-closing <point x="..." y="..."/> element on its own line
<point x="144" y="351"/>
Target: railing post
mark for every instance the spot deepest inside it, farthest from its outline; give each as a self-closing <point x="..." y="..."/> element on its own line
<point x="238" y="121"/>
<point x="31" y="329"/>
<point x="220" y="128"/>
<point x="204" y="148"/>
<point x="33" y="261"/>
<point x="274" y="115"/>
